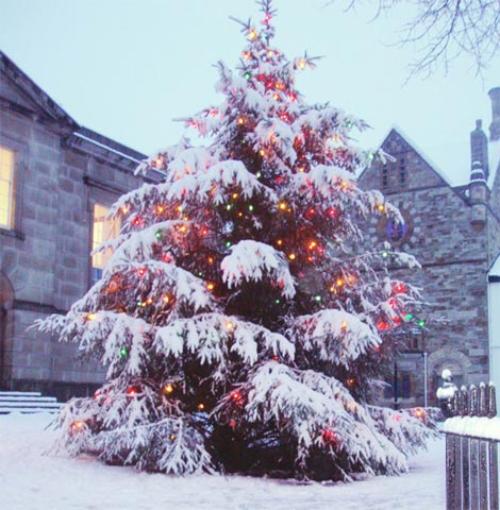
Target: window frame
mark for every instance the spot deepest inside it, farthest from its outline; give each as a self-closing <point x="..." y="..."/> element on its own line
<point x="20" y="151"/>
<point x="107" y="199"/>
<point x="96" y="199"/>
<point x="11" y="192"/>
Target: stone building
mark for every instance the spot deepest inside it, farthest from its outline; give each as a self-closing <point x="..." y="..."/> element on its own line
<point x="57" y="179"/>
<point x="454" y="231"/>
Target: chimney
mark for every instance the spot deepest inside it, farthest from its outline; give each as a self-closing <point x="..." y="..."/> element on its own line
<point x="495" y="114"/>
<point x="479" y="148"/>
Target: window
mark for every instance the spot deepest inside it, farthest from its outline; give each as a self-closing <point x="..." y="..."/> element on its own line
<point x="405" y="386"/>
<point x="406" y="379"/>
<point x="402" y="171"/>
<point x="395" y="230"/>
<point x="6" y="188"/>
<point x="103" y="229"/>
<point x="385" y="177"/>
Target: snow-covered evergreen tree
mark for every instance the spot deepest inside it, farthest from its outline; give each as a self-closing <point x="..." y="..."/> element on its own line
<point x="240" y="328"/>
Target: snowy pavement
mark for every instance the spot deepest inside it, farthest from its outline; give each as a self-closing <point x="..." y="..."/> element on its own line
<point x="29" y="479"/>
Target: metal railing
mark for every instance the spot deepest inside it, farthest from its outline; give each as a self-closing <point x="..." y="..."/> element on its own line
<point x="472" y="436"/>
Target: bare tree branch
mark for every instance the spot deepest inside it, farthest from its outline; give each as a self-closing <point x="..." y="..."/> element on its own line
<point x="444" y="29"/>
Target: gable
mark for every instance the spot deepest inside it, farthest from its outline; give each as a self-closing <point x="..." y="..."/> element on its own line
<point x="406" y="170"/>
<point x="20" y="92"/>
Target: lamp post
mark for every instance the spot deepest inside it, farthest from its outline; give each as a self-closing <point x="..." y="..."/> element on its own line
<point x="425" y="354"/>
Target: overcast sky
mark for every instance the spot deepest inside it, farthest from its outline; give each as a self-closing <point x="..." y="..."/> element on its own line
<point x="126" y="68"/>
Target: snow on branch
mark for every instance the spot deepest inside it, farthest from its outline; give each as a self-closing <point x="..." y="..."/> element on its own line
<point x="130" y="430"/>
<point x="212" y="337"/>
<point x="138" y="246"/>
<point x="408" y="429"/>
<point x="106" y="334"/>
<point x="334" y="335"/>
<point x="157" y="278"/>
<point x="213" y="184"/>
<point x="251" y="260"/>
<point x="307" y="404"/>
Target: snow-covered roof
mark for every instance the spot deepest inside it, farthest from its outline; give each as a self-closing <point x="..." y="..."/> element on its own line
<point x="418" y="150"/>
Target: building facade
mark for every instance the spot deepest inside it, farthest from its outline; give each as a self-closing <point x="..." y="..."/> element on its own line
<point x="57" y="180"/>
<point x="454" y="231"/>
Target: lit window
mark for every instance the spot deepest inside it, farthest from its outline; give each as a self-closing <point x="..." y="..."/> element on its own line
<point x="6" y="188"/>
<point x="103" y="229"/>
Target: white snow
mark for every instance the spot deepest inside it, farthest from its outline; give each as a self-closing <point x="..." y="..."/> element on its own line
<point x="30" y="479"/>
<point x="445" y="393"/>
<point x="477" y="426"/>
<point x="249" y="260"/>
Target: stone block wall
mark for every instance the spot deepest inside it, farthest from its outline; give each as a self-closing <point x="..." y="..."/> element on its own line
<point x="455" y="256"/>
<point x="46" y="256"/>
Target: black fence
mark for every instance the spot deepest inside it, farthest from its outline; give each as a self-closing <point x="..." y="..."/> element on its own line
<point x="472" y="436"/>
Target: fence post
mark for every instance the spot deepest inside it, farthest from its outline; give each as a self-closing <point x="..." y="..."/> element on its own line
<point x="483" y="447"/>
<point x="465" y="454"/>
<point x="474" y="452"/>
<point x="472" y="456"/>
<point x="493" y="451"/>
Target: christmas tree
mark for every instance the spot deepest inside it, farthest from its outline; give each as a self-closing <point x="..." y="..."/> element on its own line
<point x="242" y="328"/>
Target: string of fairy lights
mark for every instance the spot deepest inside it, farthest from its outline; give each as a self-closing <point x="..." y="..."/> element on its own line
<point x="240" y="210"/>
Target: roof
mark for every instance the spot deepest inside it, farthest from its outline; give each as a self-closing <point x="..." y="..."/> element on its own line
<point x="78" y="137"/>
<point x="414" y="146"/>
<point x="46" y="104"/>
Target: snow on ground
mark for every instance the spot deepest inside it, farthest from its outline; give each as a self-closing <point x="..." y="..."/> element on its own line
<point x="30" y="479"/>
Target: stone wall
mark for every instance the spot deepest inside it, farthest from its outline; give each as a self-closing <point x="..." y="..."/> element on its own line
<point x="46" y="255"/>
<point x="454" y="255"/>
